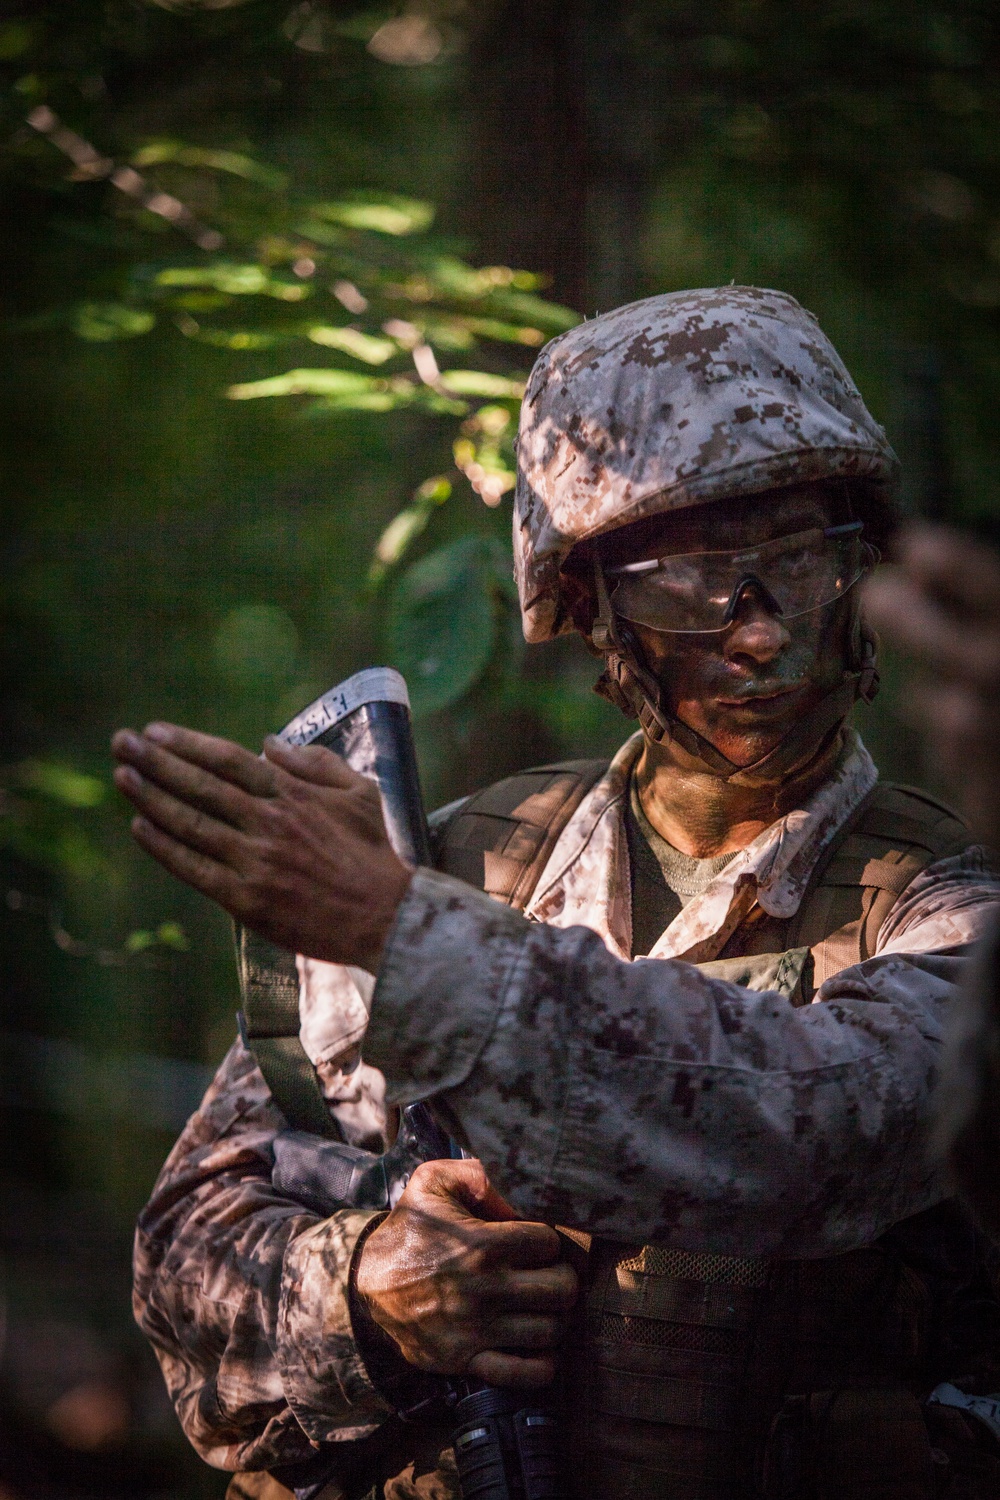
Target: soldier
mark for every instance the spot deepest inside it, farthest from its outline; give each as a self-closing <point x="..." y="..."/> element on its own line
<point x="693" y="1013"/>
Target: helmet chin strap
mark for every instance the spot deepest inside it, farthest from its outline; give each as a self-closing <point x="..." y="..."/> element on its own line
<point x="628" y="683"/>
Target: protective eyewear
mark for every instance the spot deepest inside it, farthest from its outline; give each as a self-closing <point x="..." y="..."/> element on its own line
<point x="701" y="591"/>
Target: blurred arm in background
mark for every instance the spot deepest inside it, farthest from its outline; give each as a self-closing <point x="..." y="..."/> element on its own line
<point x="940" y="603"/>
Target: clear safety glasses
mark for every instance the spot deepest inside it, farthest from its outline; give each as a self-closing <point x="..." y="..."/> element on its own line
<point x="791" y="575"/>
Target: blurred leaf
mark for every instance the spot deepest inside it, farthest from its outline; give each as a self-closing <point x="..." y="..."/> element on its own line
<point x="235" y="281"/>
<point x="343" y="384"/>
<point x="236" y="338"/>
<point x="48" y="838"/>
<point x="233" y="162"/>
<point x="60" y="783"/>
<point x="101" y="322"/>
<point x="387" y="213"/>
<point x="442" y="620"/>
<point x="375" y="400"/>
<point x="404" y="528"/>
<point x="507" y="333"/>
<point x="167" y="935"/>
<point x="535" y="310"/>
<point x="363" y="26"/>
<point x="478" y="383"/>
<point x="172" y="935"/>
<point x="373" y="351"/>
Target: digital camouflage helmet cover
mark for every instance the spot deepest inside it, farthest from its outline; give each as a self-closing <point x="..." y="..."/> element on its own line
<point x="672" y="402"/>
<point x="676" y="401"/>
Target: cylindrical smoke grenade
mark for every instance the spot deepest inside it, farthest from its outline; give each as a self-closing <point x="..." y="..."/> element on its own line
<point x="366" y="721"/>
<point x="505" y="1445"/>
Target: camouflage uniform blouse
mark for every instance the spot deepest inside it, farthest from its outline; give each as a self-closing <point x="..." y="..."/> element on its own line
<point x="639" y="1100"/>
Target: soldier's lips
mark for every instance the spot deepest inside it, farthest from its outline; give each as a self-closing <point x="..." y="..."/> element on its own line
<point x="762" y="701"/>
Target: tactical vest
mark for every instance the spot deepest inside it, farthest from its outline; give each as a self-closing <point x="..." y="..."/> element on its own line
<point x="714" y="1377"/>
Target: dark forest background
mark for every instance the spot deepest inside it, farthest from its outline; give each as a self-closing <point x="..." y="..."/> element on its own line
<point x="273" y="273"/>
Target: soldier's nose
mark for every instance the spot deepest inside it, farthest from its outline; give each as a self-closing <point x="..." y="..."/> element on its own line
<point x="757" y="633"/>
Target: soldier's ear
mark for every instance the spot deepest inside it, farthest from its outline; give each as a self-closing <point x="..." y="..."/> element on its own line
<point x="863" y="646"/>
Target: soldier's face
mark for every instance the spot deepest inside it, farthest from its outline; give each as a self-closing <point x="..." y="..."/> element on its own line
<point x="743" y="688"/>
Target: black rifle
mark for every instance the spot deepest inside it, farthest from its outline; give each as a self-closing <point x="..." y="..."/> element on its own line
<point x="505" y="1444"/>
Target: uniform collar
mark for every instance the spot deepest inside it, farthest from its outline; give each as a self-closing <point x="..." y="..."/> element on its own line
<point x="586" y="880"/>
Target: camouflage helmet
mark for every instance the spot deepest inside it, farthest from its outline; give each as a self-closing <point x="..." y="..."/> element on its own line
<point x="677" y="401"/>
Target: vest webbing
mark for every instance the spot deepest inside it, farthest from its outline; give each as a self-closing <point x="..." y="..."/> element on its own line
<point x="688" y="1359"/>
<point x="497" y="840"/>
<point x="500" y="840"/>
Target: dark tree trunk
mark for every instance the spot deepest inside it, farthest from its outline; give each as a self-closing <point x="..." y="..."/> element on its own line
<point x="558" y="139"/>
<point x="527" y="145"/>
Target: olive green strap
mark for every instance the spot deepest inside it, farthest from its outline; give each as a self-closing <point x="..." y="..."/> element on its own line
<point x="790" y="972"/>
<point x="269" y="1026"/>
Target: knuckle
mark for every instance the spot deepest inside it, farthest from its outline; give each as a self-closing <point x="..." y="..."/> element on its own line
<point x="232" y="758"/>
<point x="273" y="818"/>
<point x="423" y="1178"/>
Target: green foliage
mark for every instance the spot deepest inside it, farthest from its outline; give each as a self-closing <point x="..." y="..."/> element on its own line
<point x="59" y="783"/>
<point x="41" y="803"/>
<point x="443" y="619"/>
<point x="167" y="935"/>
<point x="385" y="213"/>
<point x="102" y="321"/>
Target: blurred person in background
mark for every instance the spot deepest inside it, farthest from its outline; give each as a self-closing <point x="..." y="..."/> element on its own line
<point x="694" y="1011"/>
<point x="940" y="602"/>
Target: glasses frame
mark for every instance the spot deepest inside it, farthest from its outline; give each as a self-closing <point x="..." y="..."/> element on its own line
<point x="869" y="558"/>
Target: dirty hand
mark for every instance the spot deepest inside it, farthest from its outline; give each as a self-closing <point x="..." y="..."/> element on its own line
<point x="940" y="602"/>
<point x="293" y="844"/>
<point x="461" y="1285"/>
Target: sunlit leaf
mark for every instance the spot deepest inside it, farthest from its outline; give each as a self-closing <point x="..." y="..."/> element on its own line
<point x="374" y="351"/>
<point x="200" y="302"/>
<point x="237" y="338"/>
<point x="233" y="162"/>
<point x="397" y="536"/>
<point x="404" y="528"/>
<point x="335" y="383"/>
<point x="172" y="935"/>
<point x="375" y="400"/>
<point x="388" y="213"/>
<point x="235" y="281"/>
<point x="450" y="334"/>
<point x="479" y="383"/>
<point x="61" y="783"/>
<point x="323" y="234"/>
<point x="100" y="322"/>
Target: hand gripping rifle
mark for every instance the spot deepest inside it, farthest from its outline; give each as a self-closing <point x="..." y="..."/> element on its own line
<point x="505" y="1444"/>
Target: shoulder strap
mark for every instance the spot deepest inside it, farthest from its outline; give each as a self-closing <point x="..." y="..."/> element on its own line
<point x="500" y="839"/>
<point x="269" y="1026"/>
<point x="895" y="834"/>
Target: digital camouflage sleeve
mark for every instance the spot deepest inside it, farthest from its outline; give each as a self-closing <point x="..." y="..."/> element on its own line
<point x="766" y="1129"/>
